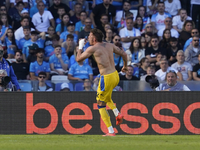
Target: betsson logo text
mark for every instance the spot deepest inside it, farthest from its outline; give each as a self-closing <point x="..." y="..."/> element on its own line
<point x="66" y="117"/>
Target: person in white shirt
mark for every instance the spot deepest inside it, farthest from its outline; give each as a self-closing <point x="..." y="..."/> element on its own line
<point x="19" y="32"/>
<point x="183" y="67"/>
<point x="120" y="15"/>
<point x="171" y="83"/>
<point x="168" y="25"/>
<point x="128" y="33"/>
<point x="42" y="19"/>
<point x="178" y="21"/>
<point x="164" y="67"/>
<point x="172" y="6"/>
<point x="158" y="18"/>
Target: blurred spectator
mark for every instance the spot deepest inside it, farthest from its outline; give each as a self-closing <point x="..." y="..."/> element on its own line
<point x="192" y="51"/>
<point x="58" y="63"/>
<point x="49" y="50"/>
<point x="62" y="27"/>
<point x="186" y="32"/>
<point x="129" y="74"/>
<point x="164" y="68"/>
<point x="122" y="24"/>
<point x="144" y="63"/>
<point x="19" y="32"/>
<point x="154" y="50"/>
<point x="103" y="8"/>
<point x="172" y="50"/>
<point x="86" y="31"/>
<point x="109" y="36"/>
<point x="5" y="65"/>
<point x="194" y="32"/>
<point x="15" y="12"/>
<point x="14" y="2"/>
<point x="77" y="10"/>
<point x="171" y="83"/>
<point x="135" y="4"/>
<point x="51" y="33"/>
<point x="32" y="53"/>
<point x="5" y="25"/>
<point x="61" y="12"/>
<point x="179" y="20"/>
<point x="54" y="8"/>
<point x="196" y="70"/>
<point x="42" y="86"/>
<point x="195" y="11"/>
<point x="69" y="45"/>
<point x="20" y="68"/>
<point x="142" y="12"/>
<point x="3" y="10"/>
<point x="150" y="28"/>
<point x="27" y="37"/>
<point x="117" y="59"/>
<point x="87" y="85"/>
<point x="150" y="71"/>
<point x="80" y="71"/>
<point x="148" y="36"/>
<point x="143" y="42"/>
<point x="9" y="86"/>
<point x="128" y="33"/>
<point x="120" y="15"/>
<point x="73" y="58"/>
<point x="9" y="39"/>
<point x="139" y="24"/>
<point x="156" y="64"/>
<point x="79" y="26"/>
<point x="159" y="17"/>
<point x="42" y="19"/>
<point x="70" y="30"/>
<point x="34" y="39"/>
<point x="103" y="22"/>
<point x="152" y="7"/>
<point x="64" y="87"/>
<point x="84" y="4"/>
<point x="34" y="8"/>
<point x="135" y="52"/>
<point x="168" y="25"/>
<point x="183" y="67"/>
<point x="39" y="65"/>
<point x="164" y="43"/>
<point x="172" y="7"/>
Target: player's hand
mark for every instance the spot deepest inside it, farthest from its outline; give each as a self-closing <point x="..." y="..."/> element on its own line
<point x="124" y="69"/>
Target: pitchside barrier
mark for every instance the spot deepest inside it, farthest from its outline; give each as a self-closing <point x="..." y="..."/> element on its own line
<point x="77" y="113"/>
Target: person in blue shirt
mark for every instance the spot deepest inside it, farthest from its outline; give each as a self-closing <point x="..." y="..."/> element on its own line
<point x="62" y="27"/>
<point x="27" y="37"/>
<point x="39" y="65"/>
<point x="34" y="8"/>
<point x="49" y="50"/>
<point x="58" y="62"/>
<point x="61" y="11"/>
<point x="5" y="65"/>
<point x="80" y="71"/>
<point x="9" y="41"/>
<point x="70" y="30"/>
<point x="79" y="26"/>
<point x="34" y="39"/>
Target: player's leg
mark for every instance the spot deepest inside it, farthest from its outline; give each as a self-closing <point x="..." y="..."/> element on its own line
<point x="105" y="116"/>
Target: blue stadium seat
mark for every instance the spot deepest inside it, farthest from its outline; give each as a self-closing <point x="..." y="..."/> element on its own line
<point x="79" y="86"/>
<point x="58" y="85"/>
<point x="25" y="86"/>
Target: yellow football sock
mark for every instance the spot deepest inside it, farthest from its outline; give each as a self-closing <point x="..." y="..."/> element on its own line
<point x="111" y="105"/>
<point x="105" y="116"/>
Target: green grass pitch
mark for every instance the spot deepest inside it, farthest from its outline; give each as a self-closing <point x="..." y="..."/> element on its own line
<point x="97" y="142"/>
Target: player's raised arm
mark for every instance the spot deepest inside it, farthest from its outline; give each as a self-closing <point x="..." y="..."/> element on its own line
<point x="87" y="53"/>
<point x="122" y="53"/>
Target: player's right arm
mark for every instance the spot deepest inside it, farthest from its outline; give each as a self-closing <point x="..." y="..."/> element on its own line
<point x="122" y="53"/>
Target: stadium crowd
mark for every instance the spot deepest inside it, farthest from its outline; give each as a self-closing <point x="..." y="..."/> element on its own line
<point x="39" y="39"/>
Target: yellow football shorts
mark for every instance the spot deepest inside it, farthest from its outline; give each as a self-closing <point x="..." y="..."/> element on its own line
<point x="106" y="85"/>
